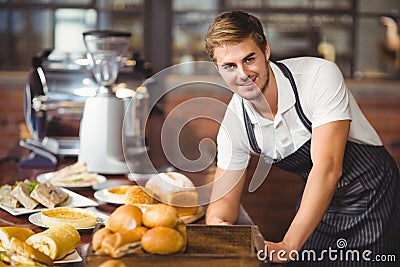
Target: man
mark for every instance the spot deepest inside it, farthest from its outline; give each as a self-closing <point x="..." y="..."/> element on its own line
<point x="298" y="114"/>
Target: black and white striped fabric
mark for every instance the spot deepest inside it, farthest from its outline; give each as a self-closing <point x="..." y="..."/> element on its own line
<point x="364" y="213"/>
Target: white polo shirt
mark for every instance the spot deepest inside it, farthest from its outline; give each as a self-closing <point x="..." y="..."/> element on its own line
<point x="324" y="98"/>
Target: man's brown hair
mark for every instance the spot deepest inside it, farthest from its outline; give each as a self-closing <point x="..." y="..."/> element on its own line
<point x="232" y="28"/>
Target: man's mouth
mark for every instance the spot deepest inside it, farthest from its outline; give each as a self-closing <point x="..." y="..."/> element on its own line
<point x="249" y="82"/>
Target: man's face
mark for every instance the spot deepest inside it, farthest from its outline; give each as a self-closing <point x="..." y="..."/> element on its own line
<point x="244" y="67"/>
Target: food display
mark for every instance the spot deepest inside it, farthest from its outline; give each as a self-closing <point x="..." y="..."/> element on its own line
<point x="56" y="242"/>
<point x="31" y="194"/>
<point x="77" y="217"/>
<point x="12" y="240"/>
<point x="129" y="230"/>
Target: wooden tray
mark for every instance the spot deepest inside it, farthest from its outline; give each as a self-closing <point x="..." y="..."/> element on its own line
<point x="206" y="246"/>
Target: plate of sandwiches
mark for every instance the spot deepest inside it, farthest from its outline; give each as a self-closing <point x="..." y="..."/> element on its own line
<point x="25" y="197"/>
<point x="72" y="176"/>
<point x="172" y="188"/>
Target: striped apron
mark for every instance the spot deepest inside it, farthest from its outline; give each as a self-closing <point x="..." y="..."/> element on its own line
<point x="364" y="213"/>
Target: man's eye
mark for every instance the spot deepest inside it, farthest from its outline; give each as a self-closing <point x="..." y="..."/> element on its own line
<point x="227" y="67"/>
<point x="249" y="60"/>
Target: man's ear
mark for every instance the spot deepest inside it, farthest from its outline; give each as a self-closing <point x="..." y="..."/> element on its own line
<point x="267" y="51"/>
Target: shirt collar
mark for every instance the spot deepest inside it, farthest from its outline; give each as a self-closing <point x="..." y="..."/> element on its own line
<point x="286" y="99"/>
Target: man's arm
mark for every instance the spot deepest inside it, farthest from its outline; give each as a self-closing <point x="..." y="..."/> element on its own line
<point x="227" y="190"/>
<point x="327" y="151"/>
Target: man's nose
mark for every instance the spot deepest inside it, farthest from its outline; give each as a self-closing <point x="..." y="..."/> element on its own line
<point x="242" y="73"/>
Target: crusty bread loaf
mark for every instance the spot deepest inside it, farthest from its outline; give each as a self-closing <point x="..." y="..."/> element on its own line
<point x="174" y="189"/>
<point x="162" y="240"/>
<point x="56" y="242"/>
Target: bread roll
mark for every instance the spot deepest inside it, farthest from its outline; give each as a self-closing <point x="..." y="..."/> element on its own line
<point x="160" y="215"/>
<point x="174" y="189"/>
<point x="136" y="195"/>
<point x="120" y="244"/>
<point x="162" y="240"/>
<point x="98" y="238"/>
<point x="117" y="244"/>
<point x="124" y="218"/>
<point x="56" y="242"/>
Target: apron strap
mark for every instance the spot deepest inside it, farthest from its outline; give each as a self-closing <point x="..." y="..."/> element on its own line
<point x="303" y="118"/>
<point x="250" y="131"/>
<point x="306" y="122"/>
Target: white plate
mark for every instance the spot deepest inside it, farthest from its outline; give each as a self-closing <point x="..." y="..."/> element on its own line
<point x="104" y="196"/>
<point x="37" y="220"/>
<point x="74" y="201"/>
<point x="46" y="177"/>
<point x="70" y="258"/>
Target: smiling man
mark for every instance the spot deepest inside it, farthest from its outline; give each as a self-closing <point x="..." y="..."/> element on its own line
<point x="299" y="115"/>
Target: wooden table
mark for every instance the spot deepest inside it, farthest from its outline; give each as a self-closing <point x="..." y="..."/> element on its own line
<point x="11" y="172"/>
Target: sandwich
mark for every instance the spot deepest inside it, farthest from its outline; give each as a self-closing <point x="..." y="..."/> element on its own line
<point x="21" y="192"/>
<point x="6" y="198"/>
<point x="74" y="174"/>
<point x="17" y="252"/>
<point x="48" y="195"/>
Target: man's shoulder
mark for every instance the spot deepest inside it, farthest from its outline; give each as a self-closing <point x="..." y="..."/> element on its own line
<point x="306" y="64"/>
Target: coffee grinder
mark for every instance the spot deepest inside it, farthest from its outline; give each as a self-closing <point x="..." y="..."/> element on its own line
<point x="101" y="125"/>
